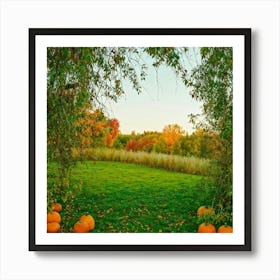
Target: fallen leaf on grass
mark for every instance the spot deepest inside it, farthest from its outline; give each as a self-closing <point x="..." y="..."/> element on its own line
<point x="102" y="213"/>
<point x="180" y="223"/>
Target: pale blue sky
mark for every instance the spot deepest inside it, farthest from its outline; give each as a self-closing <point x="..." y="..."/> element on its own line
<point x="164" y="100"/>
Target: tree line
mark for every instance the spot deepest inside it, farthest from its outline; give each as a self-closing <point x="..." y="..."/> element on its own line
<point x="95" y="130"/>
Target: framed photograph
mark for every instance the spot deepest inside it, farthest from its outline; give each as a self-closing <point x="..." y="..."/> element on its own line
<point x="140" y="139"/>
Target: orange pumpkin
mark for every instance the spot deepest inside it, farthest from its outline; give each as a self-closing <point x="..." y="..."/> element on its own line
<point x="89" y="219"/>
<point x="81" y="227"/>
<point x="57" y="207"/>
<point x="53" y="227"/>
<point x="202" y="210"/>
<point x="206" y="228"/>
<point x="225" y="229"/>
<point x="53" y="217"/>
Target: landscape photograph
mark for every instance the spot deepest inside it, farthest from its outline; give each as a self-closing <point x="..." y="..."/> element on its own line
<point x="139" y="139"/>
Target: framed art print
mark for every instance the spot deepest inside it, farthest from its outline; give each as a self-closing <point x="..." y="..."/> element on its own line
<point x="140" y="139"/>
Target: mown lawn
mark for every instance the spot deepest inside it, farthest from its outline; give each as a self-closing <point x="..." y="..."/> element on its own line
<point x="132" y="198"/>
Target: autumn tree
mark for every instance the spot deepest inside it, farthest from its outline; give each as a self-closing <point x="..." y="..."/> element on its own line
<point x="141" y="143"/>
<point x="113" y="131"/>
<point x="91" y="127"/>
<point x="171" y="133"/>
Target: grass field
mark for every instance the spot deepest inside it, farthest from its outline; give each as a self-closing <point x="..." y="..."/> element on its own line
<point x="132" y="198"/>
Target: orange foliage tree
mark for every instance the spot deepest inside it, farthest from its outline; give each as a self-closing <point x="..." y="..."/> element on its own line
<point x="112" y="133"/>
<point x="91" y="126"/>
<point x="171" y="133"/>
<point x="95" y="129"/>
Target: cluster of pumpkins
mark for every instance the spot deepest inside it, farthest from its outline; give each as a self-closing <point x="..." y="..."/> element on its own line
<point x="84" y="225"/>
<point x="207" y="227"/>
<point x="54" y="219"/>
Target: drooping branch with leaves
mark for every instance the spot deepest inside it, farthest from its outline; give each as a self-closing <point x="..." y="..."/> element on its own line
<point x="212" y="83"/>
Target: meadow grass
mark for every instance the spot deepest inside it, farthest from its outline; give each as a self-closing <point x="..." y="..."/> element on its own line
<point x="189" y="165"/>
<point x="133" y="198"/>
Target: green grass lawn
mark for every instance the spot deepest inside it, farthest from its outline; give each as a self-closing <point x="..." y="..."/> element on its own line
<point x="132" y="198"/>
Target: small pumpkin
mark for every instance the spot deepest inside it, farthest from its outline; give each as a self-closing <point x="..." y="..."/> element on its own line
<point x="225" y="229"/>
<point x="81" y="227"/>
<point x="206" y="228"/>
<point x="202" y="210"/>
<point x="89" y="219"/>
<point x="53" y="227"/>
<point x="57" y="207"/>
<point x="53" y="217"/>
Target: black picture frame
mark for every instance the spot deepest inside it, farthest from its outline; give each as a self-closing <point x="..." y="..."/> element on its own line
<point x="33" y="165"/>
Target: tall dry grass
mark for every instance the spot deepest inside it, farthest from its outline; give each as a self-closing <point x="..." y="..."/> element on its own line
<point x="189" y="165"/>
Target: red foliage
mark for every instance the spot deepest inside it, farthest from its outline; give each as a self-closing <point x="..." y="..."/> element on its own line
<point x="141" y="144"/>
<point x="113" y="126"/>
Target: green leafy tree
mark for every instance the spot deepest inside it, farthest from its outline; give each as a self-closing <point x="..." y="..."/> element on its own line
<point x="161" y="146"/>
<point x="121" y="141"/>
<point x="211" y="83"/>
